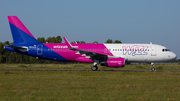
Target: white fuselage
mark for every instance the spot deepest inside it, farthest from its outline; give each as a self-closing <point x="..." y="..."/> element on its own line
<point x="141" y="52"/>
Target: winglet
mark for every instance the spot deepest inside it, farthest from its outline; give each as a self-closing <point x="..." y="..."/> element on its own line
<point x="68" y="43"/>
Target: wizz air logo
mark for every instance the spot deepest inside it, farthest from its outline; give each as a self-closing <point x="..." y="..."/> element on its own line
<point x="135" y="50"/>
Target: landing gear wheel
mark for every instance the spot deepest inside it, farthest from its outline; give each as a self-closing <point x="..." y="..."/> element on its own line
<point x="94" y="68"/>
<point x="153" y="69"/>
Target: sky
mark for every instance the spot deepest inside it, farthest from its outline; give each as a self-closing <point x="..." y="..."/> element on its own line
<point x="131" y="21"/>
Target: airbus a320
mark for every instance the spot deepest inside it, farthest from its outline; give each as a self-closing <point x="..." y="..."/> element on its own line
<point x="109" y="55"/>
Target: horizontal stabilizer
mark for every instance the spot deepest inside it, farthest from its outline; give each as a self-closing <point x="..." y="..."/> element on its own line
<point x="15" y="47"/>
<point x="22" y="49"/>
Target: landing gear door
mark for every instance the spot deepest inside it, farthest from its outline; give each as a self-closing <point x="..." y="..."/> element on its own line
<point x="153" y="51"/>
<point x="39" y="49"/>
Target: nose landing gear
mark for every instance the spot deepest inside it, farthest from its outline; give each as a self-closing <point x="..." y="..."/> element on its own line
<point x="152" y="67"/>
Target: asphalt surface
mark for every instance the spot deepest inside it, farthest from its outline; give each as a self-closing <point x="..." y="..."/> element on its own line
<point x="83" y="70"/>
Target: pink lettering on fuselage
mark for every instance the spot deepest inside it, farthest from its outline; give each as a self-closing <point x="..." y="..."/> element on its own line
<point x="135" y="50"/>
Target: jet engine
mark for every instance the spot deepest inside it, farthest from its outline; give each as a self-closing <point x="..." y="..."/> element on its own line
<point x="113" y="62"/>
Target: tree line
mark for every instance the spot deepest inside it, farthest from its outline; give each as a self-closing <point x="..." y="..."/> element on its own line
<point x="13" y="57"/>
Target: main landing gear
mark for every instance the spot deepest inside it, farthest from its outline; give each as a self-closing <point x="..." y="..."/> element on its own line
<point x="152" y="67"/>
<point x="95" y="67"/>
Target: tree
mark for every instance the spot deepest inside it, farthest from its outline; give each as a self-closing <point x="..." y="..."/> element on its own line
<point x="79" y="42"/>
<point x="6" y="43"/>
<point x="32" y="59"/>
<point x="49" y="40"/>
<point x="82" y="42"/>
<point x="41" y="39"/>
<point x="57" y="39"/>
<point x="95" y="42"/>
<point x="109" y="41"/>
<point x="1" y="48"/>
<point x="117" y="41"/>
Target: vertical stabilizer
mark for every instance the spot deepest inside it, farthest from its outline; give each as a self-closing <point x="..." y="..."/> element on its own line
<point x="20" y="33"/>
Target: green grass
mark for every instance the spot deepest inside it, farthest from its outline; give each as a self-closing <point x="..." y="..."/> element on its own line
<point x="86" y="66"/>
<point x="88" y="85"/>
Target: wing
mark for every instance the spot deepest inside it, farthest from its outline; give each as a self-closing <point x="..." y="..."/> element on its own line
<point x="89" y="54"/>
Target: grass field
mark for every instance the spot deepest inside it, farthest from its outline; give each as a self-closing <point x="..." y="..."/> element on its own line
<point x="88" y="85"/>
<point x="86" y="66"/>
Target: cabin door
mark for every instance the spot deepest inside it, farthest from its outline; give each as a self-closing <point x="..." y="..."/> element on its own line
<point x="153" y="51"/>
<point x="39" y="49"/>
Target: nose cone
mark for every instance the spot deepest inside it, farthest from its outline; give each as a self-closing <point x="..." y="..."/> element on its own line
<point x="173" y="56"/>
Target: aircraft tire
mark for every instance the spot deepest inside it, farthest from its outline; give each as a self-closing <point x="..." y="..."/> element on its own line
<point x="152" y="69"/>
<point x="94" y="68"/>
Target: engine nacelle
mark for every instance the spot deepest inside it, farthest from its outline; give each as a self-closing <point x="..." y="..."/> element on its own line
<point x="113" y="62"/>
<point x="83" y="59"/>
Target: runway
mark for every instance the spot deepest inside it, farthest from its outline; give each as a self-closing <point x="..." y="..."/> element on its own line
<point x="83" y="70"/>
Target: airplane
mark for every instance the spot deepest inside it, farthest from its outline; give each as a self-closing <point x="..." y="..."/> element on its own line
<point x="109" y="55"/>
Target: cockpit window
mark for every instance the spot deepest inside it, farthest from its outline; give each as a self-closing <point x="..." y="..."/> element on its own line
<point x="165" y="50"/>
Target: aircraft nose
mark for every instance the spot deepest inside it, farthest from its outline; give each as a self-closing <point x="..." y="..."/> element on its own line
<point x="173" y="56"/>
